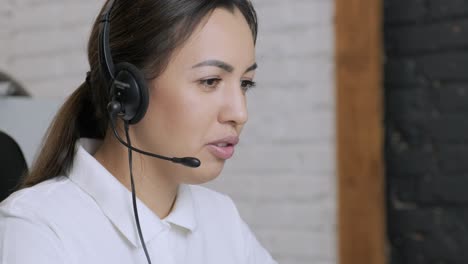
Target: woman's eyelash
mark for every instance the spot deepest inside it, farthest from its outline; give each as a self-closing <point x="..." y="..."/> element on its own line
<point x="210" y="83"/>
<point x="247" y="85"/>
<point x="213" y="83"/>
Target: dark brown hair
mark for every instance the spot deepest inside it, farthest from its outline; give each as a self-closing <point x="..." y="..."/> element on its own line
<point x="142" y="32"/>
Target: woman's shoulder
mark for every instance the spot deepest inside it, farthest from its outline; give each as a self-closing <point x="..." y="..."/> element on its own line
<point x="26" y="222"/>
<point x="41" y="198"/>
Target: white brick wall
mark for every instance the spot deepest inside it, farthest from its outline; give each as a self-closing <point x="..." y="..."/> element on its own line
<point x="43" y="43"/>
<point x="283" y="175"/>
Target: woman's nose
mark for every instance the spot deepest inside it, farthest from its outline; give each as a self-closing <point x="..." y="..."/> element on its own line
<point x="234" y="106"/>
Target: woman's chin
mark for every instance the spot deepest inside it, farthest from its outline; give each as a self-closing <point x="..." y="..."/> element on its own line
<point x="205" y="173"/>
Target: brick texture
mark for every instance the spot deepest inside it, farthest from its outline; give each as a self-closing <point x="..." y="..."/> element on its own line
<point x="283" y="175"/>
<point x="426" y="85"/>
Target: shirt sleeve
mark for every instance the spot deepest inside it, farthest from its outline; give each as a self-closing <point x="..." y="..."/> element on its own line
<point x="25" y="240"/>
<point x="256" y="253"/>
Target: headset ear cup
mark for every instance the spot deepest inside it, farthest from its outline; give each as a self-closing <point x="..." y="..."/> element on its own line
<point x="135" y="100"/>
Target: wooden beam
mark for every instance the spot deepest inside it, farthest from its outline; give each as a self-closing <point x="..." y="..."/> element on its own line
<point x="361" y="196"/>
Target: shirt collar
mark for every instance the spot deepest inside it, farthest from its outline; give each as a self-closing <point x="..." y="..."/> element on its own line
<point x="183" y="212"/>
<point x="115" y="200"/>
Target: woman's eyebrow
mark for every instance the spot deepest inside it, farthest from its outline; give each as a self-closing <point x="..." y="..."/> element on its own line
<point x="223" y="65"/>
<point x="216" y="63"/>
<point x="251" y="68"/>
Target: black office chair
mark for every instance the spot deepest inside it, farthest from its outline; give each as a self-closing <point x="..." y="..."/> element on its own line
<point x="12" y="162"/>
<point x="12" y="165"/>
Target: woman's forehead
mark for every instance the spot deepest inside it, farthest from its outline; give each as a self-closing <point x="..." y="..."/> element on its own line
<point x="223" y="35"/>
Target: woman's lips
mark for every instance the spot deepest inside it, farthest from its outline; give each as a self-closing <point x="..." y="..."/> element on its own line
<point x="221" y="152"/>
<point x="223" y="148"/>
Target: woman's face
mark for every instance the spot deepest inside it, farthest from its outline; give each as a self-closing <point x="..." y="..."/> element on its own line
<point x="197" y="106"/>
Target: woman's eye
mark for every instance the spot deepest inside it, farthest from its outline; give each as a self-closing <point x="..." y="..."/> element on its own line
<point x="247" y="85"/>
<point x="210" y="83"/>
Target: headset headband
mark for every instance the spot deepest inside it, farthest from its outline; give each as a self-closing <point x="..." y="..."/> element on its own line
<point x="105" y="57"/>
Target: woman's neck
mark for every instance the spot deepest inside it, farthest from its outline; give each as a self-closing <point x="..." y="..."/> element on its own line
<point x="152" y="187"/>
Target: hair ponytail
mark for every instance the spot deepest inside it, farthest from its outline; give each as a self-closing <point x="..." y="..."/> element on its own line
<point x="73" y="120"/>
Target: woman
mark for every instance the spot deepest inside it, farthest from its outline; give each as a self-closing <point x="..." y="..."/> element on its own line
<point x="182" y="69"/>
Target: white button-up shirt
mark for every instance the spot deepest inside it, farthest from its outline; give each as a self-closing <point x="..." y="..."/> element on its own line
<point x="87" y="217"/>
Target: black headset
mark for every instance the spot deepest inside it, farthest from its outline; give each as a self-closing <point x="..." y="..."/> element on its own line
<point x="128" y="90"/>
<point x="128" y="99"/>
